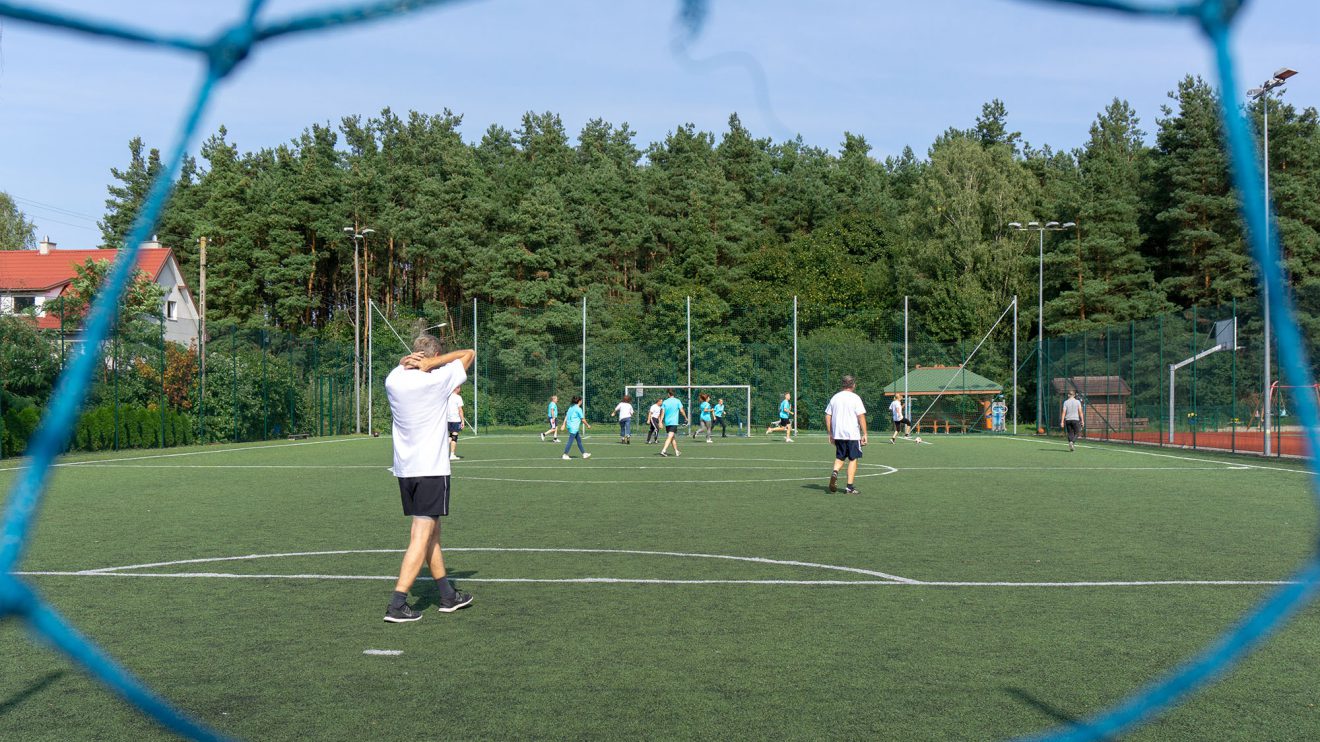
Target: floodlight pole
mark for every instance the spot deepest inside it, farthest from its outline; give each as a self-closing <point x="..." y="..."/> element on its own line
<point x="357" y="238"/>
<point x="689" y="358"/>
<point x="476" y="398"/>
<point x="792" y="423"/>
<point x="907" y="402"/>
<point x="1040" y="306"/>
<point x="584" y="351"/>
<point x="1262" y="94"/>
<point x="1015" y="363"/>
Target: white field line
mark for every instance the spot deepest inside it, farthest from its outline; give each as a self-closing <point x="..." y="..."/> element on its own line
<point x="1074" y="468"/>
<point x="1119" y="448"/>
<point x="646" y="581"/>
<point x="90" y="462"/>
<point x="883" y="578"/>
<point x="383" y="652"/>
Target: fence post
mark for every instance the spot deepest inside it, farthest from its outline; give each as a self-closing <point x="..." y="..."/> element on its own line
<point x="114" y="370"/>
<point x="233" y="350"/>
<point x="265" y="391"/>
<point x="476" y="372"/>
<point x="1191" y="344"/>
<point x="163" y="397"/>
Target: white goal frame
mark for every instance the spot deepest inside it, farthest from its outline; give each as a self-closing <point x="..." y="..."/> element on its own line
<point x="638" y="391"/>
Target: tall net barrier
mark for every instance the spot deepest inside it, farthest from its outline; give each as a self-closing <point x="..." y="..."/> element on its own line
<point x="1189" y="379"/>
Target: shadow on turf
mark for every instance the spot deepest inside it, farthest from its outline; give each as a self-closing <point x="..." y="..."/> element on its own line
<point x="428" y="594"/>
<point x="10" y="703"/>
<point x="1026" y="698"/>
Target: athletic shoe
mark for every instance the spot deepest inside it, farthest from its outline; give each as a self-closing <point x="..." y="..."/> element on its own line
<point x="402" y="614"/>
<point x="556" y="440"/>
<point x="453" y="457"/>
<point x="891" y="441"/>
<point x="586" y="455"/>
<point x="834" y="481"/>
<point x="907" y="435"/>
<point x="662" y="453"/>
<point x="709" y="440"/>
<point x="566" y="457"/>
<point x="1070" y="445"/>
<point x="543" y="437"/>
<point x="788" y="440"/>
<point x="851" y="490"/>
<point x="676" y="453"/>
<point x="449" y="606"/>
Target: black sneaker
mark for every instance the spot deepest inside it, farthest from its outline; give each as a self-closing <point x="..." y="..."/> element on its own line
<point x="449" y="606"/>
<point x="402" y="614"/>
<point x="834" y="481"/>
<point x="851" y="490"/>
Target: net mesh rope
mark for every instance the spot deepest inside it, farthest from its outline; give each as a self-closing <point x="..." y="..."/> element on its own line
<point x="226" y="50"/>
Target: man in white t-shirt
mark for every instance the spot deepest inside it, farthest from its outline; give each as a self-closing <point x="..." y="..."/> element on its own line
<point x="653" y="416"/>
<point x="457" y="421"/>
<point x="845" y="419"/>
<point x="418" y="390"/>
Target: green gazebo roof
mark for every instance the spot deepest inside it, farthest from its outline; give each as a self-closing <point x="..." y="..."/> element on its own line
<point x="930" y="380"/>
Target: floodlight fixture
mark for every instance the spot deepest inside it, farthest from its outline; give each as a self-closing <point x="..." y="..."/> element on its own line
<point x="1015" y="225"/>
<point x="350" y="230"/>
<point x="1069" y="225"/>
<point x="1283" y="73"/>
<point x="368" y="231"/>
<point x="1051" y="225"/>
<point x="1033" y="225"/>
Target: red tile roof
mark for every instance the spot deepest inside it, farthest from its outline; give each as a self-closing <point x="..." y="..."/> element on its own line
<point x="29" y="270"/>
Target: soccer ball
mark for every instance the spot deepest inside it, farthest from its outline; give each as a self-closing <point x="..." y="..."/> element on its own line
<point x="918" y="439"/>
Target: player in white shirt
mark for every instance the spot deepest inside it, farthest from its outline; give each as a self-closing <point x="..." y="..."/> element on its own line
<point x="653" y="416"/>
<point x="901" y="422"/>
<point x="845" y="419"/>
<point x="624" y="411"/>
<point x="1071" y="417"/>
<point x="457" y="421"/>
<point x="418" y="390"/>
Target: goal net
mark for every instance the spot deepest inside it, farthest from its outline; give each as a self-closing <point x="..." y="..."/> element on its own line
<point x="737" y="400"/>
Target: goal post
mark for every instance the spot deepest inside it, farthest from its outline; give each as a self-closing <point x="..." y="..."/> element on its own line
<point x="639" y="391"/>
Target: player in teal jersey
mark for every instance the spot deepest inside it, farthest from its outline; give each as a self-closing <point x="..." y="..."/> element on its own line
<point x="785" y="419"/>
<point x="552" y="414"/>
<point x="574" y="420"/>
<point x="706" y="416"/>
<point x="718" y="412"/>
<point x="673" y="408"/>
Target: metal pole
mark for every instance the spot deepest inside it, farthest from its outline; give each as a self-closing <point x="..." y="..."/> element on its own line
<point x="1265" y="103"/>
<point x="371" y="393"/>
<point x="1040" y="333"/>
<point x="476" y="398"/>
<point x="689" y="358"/>
<point x="584" y="354"/>
<point x="201" y="340"/>
<point x="792" y="423"/>
<point x="907" y="403"/>
<point x="1015" y="363"/>
<point x="357" y="339"/>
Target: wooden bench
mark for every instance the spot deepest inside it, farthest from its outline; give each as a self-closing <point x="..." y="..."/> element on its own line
<point x="300" y="436"/>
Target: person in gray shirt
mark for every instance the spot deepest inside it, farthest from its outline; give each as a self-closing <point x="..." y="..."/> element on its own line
<point x="1072" y="420"/>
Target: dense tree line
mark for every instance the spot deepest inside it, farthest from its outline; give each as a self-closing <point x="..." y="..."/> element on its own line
<point x="531" y="218"/>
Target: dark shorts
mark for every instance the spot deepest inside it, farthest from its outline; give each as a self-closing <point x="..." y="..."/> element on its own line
<point x="783" y="422"/>
<point x="671" y="428"/>
<point x="1073" y="428"/>
<point x="847" y="450"/>
<point x="426" y="496"/>
<point x="898" y="424"/>
<point x="454" y="430"/>
<point x="552" y="421"/>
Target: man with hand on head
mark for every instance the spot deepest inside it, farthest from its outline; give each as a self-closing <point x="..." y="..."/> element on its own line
<point x="418" y="390"/>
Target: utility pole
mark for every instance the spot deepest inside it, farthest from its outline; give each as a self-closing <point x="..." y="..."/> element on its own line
<point x="201" y="324"/>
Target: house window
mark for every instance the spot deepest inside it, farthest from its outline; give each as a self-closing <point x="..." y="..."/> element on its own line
<point x="24" y="302"/>
<point x="171" y="310"/>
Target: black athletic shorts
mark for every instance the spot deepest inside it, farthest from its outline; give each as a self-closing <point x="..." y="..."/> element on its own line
<point x="426" y="496"/>
<point x="454" y="430"/>
<point x="783" y="422"/>
<point x="671" y="428"/>
<point x="898" y="424"/>
<point x="847" y="450"/>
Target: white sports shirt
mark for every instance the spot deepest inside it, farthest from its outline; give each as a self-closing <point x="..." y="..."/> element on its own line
<point x="896" y="409"/>
<point x="419" y="404"/>
<point x="843" y="409"/>
<point x="656" y="411"/>
<point x="1072" y="409"/>
<point x="624" y="409"/>
<point x="455" y="407"/>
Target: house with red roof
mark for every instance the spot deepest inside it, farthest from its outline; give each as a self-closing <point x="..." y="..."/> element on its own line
<point x="30" y="279"/>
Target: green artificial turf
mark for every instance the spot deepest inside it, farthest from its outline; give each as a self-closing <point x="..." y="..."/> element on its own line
<point x="756" y="647"/>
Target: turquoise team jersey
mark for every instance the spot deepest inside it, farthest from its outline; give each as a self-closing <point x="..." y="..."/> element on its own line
<point x="573" y="420"/>
<point x="671" y="406"/>
<point x="784" y="408"/>
<point x="719" y="410"/>
<point x="705" y="411"/>
<point x="552" y="410"/>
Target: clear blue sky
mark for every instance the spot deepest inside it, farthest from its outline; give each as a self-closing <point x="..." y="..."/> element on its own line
<point x="897" y="72"/>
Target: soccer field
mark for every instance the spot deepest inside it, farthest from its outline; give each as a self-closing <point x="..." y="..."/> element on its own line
<point x="977" y="588"/>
